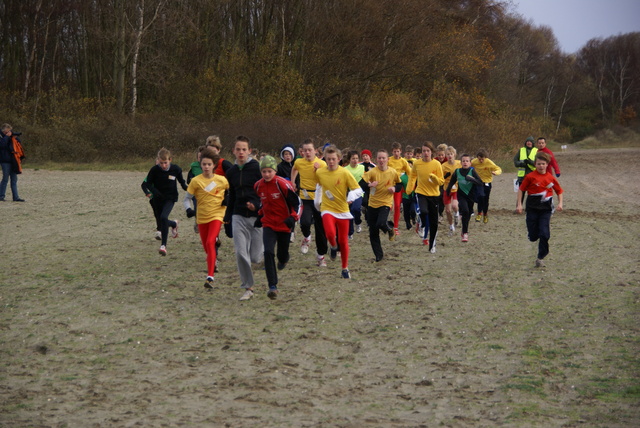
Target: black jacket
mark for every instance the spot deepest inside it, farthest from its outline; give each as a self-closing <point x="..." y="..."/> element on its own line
<point x="241" y="181"/>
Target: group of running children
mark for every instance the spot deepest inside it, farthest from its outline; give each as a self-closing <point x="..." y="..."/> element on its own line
<point x="259" y="202"/>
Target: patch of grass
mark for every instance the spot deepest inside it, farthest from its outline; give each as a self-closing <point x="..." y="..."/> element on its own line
<point x="611" y="389"/>
<point x="527" y="383"/>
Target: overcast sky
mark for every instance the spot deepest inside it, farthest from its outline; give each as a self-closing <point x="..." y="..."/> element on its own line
<point x="574" y="22"/>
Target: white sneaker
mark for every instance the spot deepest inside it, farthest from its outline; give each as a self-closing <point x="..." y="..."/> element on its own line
<point x="292" y="239"/>
<point x="456" y="218"/>
<point x="174" y="230"/>
<point x="158" y="235"/>
<point x="162" y="250"/>
<point x="358" y="228"/>
<point x="321" y="261"/>
<point x="304" y="248"/>
<point x="247" y="295"/>
<point x="452" y="229"/>
<point x="433" y="247"/>
<point x="421" y="232"/>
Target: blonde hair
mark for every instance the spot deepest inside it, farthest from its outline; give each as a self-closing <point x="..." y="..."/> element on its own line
<point x="214" y="140"/>
<point x="452" y="150"/>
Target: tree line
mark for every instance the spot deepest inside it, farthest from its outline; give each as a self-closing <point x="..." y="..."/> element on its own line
<point x="458" y="70"/>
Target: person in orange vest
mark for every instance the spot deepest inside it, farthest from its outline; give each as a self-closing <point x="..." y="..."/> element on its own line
<point x="11" y="156"/>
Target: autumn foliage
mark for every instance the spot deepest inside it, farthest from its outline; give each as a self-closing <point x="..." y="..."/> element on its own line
<point x="359" y="73"/>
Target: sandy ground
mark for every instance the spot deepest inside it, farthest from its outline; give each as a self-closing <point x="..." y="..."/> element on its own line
<point x="96" y="329"/>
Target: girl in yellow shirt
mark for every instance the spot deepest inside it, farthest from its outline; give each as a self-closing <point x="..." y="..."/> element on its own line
<point x="336" y="189"/>
<point x="426" y="178"/>
<point x="450" y="199"/>
<point x="400" y="164"/>
<point x="208" y="189"/>
<point x="486" y="169"/>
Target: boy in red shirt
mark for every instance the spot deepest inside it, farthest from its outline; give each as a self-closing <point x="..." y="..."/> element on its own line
<point x="539" y="186"/>
<point x="278" y="214"/>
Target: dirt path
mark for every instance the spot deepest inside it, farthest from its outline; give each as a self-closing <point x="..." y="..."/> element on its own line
<point x="97" y="330"/>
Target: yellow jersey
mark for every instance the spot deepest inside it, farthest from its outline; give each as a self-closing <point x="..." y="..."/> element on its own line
<point x="379" y="196"/>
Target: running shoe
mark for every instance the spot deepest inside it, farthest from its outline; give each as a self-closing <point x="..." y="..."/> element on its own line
<point x="304" y="247"/>
<point x="333" y="253"/>
<point x="433" y="244"/>
<point x="358" y="228"/>
<point x="158" y="235"/>
<point x="162" y="250"/>
<point x="540" y="263"/>
<point x="485" y="219"/>
<point x="425" y="242"/>
<point x="247" y="295"/>
<point x="209" y="282"/>
<point x="465" y="237"/>
<point x="321" y="262"/>
<point x="478" y="218"/>
<point x="396" y="231"/>
<point x="456" y="218"/>
<point x="281" y="266"/>
<point x="392" y="235"/>
<point x="174" y="230"/>
<point x="346" y="274"/>
<point x="272" y="293"/>
<point x="452" y="229"/>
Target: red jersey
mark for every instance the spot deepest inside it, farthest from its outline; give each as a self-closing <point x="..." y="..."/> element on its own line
<point x="540" y="188"/>
<point x="279" y="201"/>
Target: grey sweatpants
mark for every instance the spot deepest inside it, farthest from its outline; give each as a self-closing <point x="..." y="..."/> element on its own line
<point x="247" y="241"/>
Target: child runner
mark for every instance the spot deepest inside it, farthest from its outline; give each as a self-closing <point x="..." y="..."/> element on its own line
<point x="306" y="167"/>
<point x="441" y="157"/>
<point x="426" y="178"/>
<point x="450" y="199"/>
<point x="409" y="154"/>
<point x="401" y="165"/>
<point x="213" y="141"/>
<point x="194" y="170"/>
<point x="355" y="208"/>
<point x="408" y="201"/>
<point x="365" y="155"/>
<point x="209" y="190"/>
<point x="465" y="178"/>
<point x="336" y="189"/>
<point x="278" y="214"/>
<point x="540" y="185"/>
<point x="486" y="169"/>
<point x="541" y="144"/>
<point x="287" y="154"/>
<point x="161" y="185"/>
<point x="383" y="183"/>
<point x="240" y="217"/>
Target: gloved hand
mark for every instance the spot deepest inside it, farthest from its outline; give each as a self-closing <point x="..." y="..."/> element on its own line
<point x="558" y="175"/>
<point x="190" y="212"/>
<point x="290" y="222"/>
